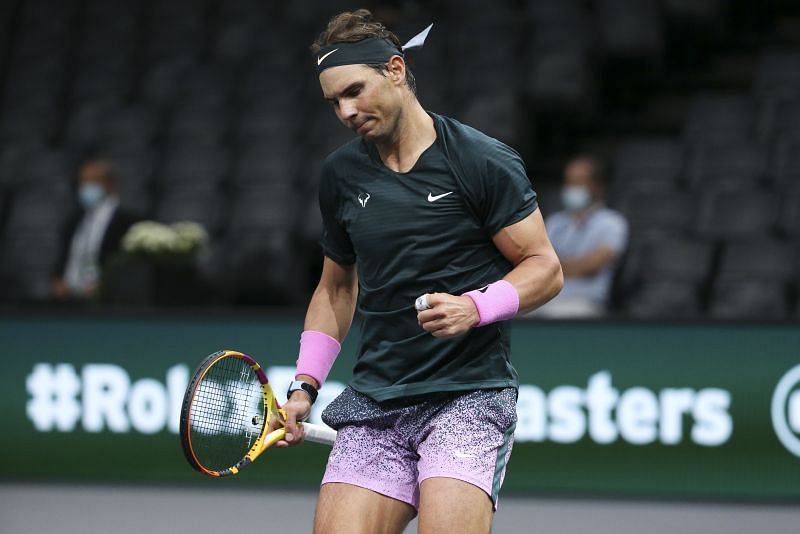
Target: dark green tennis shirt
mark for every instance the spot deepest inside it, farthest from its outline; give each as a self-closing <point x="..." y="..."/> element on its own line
<point x="423" y="231"/>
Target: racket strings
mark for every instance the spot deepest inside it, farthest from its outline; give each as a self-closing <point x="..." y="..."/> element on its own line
<point x="227" y="414"/>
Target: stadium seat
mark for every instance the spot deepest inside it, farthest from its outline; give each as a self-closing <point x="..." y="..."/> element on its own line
<point x="715" y="119"/>
<point x="264" y="165"/>
<point x="790" y="215"/>
<point x="648" y="165"/>
<point x="736" y="297"/>
<point x="32" y="121"/>
<point x="83" y="130"/>
<point x="761" y="259"/>
<point x="785" y="166"/>
<point x="693" y="9"/>
<point x="778" y="118"/>
<point x="37" y="210"/>
<point x="630" y="28"/>
<point x="778" y="73"/>
<point x="272" y="207"/>
<point x="258" y="268"/>
<point x="164" y="78"/>
<point x="670" y="258"/>
<point x="753" y="280"/>
<point x="132" y="125"/>
<point x="658" y="212"/>
<point x="654" y="267"/>
<point x="201" y="123"/>
<point x="664" y="299"/>
<point x="191" y="204"/>
<point x="734" y="165"/>
<point x="729" y="215"/>
<point x="559" y="78"/>
<point x="496" y="115"/>
<point x="27" y="263"/>
<point x="194" y="165"/>
<point x="104" y="77"/>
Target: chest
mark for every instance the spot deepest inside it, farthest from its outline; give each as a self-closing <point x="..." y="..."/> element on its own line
<point x="388" y="211"/>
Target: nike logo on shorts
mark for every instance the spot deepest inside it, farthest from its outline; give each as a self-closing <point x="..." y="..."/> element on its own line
<point x="432" y="198"/>
<point x="459" y="454"/>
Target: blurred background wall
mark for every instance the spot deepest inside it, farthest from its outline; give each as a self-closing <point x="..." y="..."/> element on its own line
<point x="209" y="111"/>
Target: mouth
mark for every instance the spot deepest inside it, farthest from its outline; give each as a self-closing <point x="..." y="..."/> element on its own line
<point x="362" y="127"/>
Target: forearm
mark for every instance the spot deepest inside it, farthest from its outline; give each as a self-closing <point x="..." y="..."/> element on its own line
<point x="537" y="279"/>
<point x="331" y="310"/>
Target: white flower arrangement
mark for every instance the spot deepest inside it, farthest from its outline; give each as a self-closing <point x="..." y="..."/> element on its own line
<point x="151" y="238"/>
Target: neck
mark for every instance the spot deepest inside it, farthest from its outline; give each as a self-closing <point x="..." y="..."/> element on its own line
<point x="413" y="134"/>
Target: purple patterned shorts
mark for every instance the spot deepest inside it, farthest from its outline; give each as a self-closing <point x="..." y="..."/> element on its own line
<point x="391" y="447"/>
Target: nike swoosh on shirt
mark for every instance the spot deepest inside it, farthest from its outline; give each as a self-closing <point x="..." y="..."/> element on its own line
<point x="320" y="59"/>
<point x="432" y="198"/>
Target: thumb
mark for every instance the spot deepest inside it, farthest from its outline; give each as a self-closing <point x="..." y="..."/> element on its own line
<point x="291" y="426"/>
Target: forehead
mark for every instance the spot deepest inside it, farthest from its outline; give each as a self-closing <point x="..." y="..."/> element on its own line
<point x="336" y="79"/>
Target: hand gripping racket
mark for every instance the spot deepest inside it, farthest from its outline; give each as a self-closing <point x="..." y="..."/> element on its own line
<point x="226" y="413"/>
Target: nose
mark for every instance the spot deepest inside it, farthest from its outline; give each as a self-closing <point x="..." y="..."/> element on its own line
<point x="347" y="110"/>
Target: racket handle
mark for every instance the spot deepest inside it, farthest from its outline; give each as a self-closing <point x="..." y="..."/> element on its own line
<point x="319" y="433"/>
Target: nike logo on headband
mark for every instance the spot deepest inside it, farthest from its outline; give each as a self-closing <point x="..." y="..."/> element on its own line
<point x="320" y="59"/>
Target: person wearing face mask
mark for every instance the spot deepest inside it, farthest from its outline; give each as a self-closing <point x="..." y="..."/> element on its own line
<point x="94" y="235"/>
<point x="589" y="239"/>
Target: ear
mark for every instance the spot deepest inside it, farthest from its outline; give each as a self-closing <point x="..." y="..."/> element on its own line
<point x="397" y="69"/>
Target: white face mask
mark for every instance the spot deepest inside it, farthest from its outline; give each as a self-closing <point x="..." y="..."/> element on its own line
<point x="90" y="195"/>
<point x="576" y="197"/>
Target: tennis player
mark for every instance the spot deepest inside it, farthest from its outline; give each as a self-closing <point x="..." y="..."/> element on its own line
<point x="417" y="204"/>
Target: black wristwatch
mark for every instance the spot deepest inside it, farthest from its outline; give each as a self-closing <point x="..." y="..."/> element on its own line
<point x="305" y="386"/>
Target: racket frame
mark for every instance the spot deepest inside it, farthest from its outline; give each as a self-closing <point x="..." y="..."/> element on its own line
<point x="272" y="411"/>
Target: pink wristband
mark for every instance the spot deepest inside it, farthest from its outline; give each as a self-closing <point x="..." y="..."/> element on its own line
<point x="318" y="351"/>
<point x="496" y="302"/>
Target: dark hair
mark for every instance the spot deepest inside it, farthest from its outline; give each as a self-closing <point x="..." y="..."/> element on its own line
<point x="106" y="170"/>
<point x="597" y="165"/>
<point x="355" y="26"/>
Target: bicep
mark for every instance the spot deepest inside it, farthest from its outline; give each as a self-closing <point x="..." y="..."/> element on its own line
<point x="524" y="239"/>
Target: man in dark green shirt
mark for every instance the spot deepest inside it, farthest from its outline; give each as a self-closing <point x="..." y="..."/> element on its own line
<point x="418" y="204"/>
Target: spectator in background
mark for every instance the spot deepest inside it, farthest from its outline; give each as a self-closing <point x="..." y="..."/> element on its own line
<point x="589" y="239"/>
<point x="94" y="235"/>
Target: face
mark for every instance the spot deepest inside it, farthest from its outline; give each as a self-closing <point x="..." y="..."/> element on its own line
<point x="579" y="174"/>
<point x="580" y="189"/>
<point x="365" y="100"/>
<point x="93" y="173"/>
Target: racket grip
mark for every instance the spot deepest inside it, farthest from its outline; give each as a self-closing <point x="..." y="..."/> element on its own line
<point x="319" y="433"/>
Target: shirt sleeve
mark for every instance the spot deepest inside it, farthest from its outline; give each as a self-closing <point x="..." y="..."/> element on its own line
<point x="335" y="241"/>
<point x="506" y="190"/>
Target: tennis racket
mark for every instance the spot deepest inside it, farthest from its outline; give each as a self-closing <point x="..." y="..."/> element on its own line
<point x="226" y="413"/>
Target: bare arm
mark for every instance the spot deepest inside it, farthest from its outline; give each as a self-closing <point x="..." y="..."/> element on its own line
<point x="588" y="264"/>
<point x="330" y="312"/>
<point x="334" y="301"/>
<point x="536" y="275"/>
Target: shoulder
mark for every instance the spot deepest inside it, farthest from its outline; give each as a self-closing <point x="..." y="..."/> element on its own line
<point x="351" y="153"/>
<point x="340" y="163"/>
<point x="474" y="147"/>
